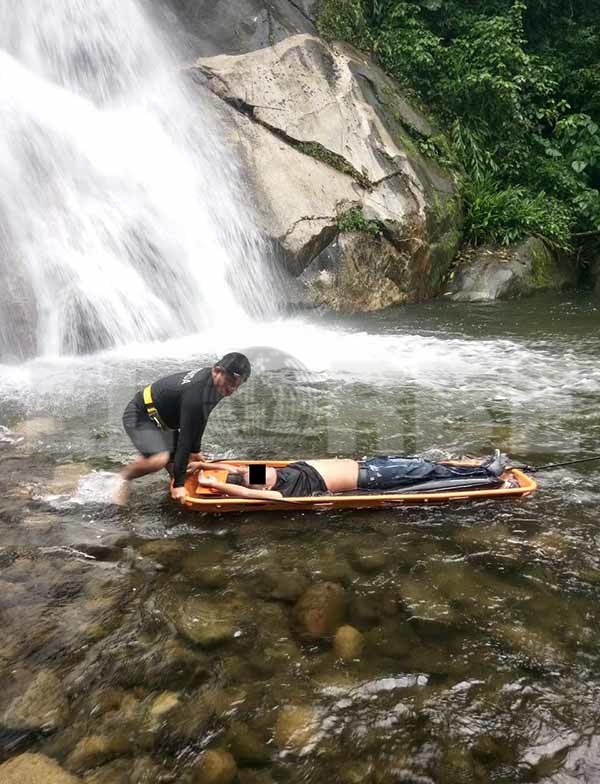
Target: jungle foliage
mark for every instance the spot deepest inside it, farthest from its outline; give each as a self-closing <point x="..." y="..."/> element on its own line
<point x="515" y="87"/>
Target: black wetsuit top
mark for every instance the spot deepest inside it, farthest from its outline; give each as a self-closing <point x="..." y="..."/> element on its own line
<point x="184" y="402"/>
<point x="299" y="479"/>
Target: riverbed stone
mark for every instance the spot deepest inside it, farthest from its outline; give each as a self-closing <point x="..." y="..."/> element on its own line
<point x="368" y="560"/>
<point x="188" y="721"/>
<point x="251" y="776"/>
<point x="43" y="706"/>
<point x="206" y="623"/>
<point x="216" y="766"/>
<point x="285" y="586"/>
<point x="320" y="610"/>
<point x="173" y="664"/>
<point x="164" y="703"/>
<point x="168" y="552"/>
<point x="296" y="727"/>
<point x="66" y="478"/>
<point x="348" y="643"/>
<point x="94" y="750"/>
<point x="34" y="769"/>
<point x="247" y="745"/>
<point x="113" y="773"/>
<point x="364" y="611"/>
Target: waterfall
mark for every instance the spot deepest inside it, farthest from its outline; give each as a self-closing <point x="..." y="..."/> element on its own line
<point x="122" y="216"/>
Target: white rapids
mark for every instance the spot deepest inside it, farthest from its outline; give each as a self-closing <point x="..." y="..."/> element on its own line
<point x="121" y="213"/>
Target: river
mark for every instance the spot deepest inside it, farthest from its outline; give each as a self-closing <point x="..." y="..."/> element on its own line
<point x="479" y="621"/>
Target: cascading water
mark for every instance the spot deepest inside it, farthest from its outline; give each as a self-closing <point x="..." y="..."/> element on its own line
<point x="120" y="213"/>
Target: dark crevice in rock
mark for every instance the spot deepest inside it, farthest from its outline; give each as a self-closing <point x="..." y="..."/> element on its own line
<point x="307" y="218"/>
<point x="301" y="11"/>
<point x="205" y="76"/>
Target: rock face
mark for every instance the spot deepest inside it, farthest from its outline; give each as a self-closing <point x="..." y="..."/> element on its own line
<point x="236" y="26"/>
<point x="501" y="273"/>
<point x="325" y="135"/>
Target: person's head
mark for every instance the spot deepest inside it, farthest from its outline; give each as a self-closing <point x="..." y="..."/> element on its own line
<point x="230" y="372"/>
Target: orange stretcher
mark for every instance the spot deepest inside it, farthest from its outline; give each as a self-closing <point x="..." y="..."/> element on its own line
<point x="206" y="499"/>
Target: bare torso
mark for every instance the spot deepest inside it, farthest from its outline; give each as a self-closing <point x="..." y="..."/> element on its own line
<point x="338" y="474"/>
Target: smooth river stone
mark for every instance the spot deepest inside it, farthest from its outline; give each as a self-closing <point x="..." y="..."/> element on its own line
<point x="216" y="766"/>
<point x="296" y="727"/>
<point x="206" y="623"/>
<point x="43" y="706"/>
<point x="34" y="769"/>
<point x="320" y="610"/>
<point x="348" y="643"/>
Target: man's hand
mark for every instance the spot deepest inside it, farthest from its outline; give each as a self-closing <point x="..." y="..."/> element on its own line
<point x="196" y="460"/>
<point x="178" y="494"/>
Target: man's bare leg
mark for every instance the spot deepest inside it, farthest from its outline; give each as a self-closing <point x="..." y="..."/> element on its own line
<point x="140" y="467"/>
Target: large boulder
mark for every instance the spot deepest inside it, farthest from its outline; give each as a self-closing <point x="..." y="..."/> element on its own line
<point x="325" y="135"/>
<point x="490" y="273"/>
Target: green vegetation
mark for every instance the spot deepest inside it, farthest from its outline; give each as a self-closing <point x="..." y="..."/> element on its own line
<point x="316" y="150"/>
<point x="516" y="88"/>
<point x="354" y="220"/>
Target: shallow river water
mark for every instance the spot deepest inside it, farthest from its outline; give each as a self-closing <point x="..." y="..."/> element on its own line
<point x="133" y="642"/>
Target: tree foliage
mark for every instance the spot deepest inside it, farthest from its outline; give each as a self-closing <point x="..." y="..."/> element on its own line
<point x="516" y="86"/>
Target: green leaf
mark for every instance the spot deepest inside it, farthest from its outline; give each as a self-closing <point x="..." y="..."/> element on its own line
<point x="578" y="166"/>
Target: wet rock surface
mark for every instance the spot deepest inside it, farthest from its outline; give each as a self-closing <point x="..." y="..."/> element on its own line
<point x="501" y="273"/>
<point x="320" y="610"/>
<point x="34" y="769"/>
<point x="328" y="146"/>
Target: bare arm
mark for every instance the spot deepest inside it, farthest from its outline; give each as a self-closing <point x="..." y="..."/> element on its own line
<point x="195" y="465"/>
<point x="233" y="469"/>
<point x="236" y="491"/>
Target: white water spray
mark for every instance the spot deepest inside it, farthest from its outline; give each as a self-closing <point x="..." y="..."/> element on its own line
<point x="121" y="217"/>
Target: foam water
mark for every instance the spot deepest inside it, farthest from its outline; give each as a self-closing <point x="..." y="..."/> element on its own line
<point x="122" y="213"/>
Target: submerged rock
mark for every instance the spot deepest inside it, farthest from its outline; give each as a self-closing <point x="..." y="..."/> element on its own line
<point x="43" y="706"/>
<point x="348" y="643"/>
<point x="188" y="721"/>
<point x="320" y="610"/>
<point x="369" y="561"/>
<point x="216" y="766"/>
<point x="113" y="773"/>
<point x="205" y="622"/>
<point x="34" y="769"/>
<point x="93" y="750"/>
<point x="246" y="744"/>
<point x="296" y="727"/>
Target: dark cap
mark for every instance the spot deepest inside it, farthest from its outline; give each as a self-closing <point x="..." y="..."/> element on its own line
<point x="235" y="364"/>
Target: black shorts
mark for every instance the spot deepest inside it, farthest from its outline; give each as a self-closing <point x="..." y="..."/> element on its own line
<point x="147" y="438"/>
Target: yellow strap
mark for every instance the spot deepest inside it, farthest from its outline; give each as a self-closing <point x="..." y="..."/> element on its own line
<point x="151" y="408"/>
